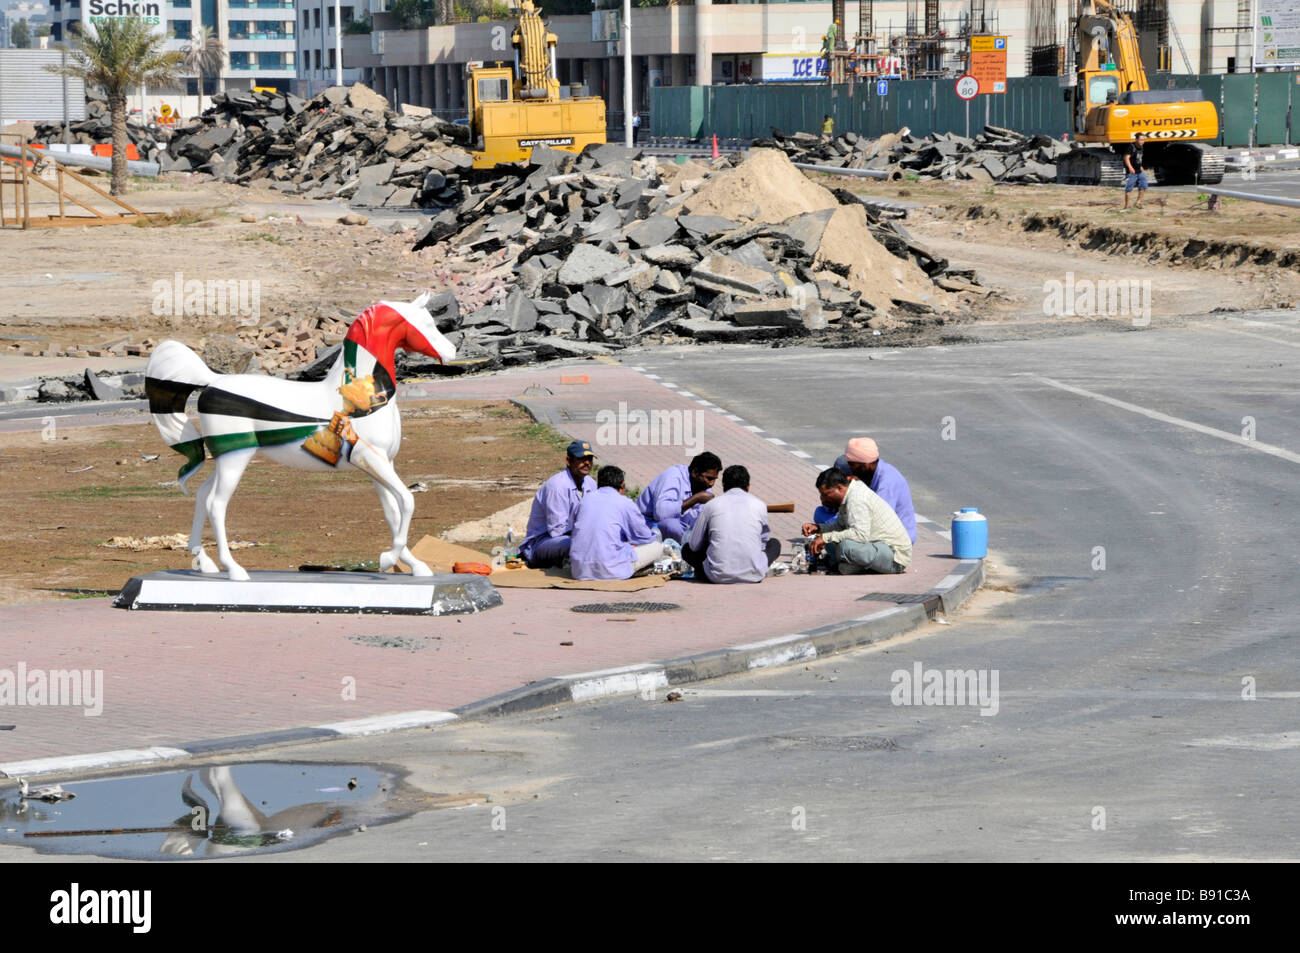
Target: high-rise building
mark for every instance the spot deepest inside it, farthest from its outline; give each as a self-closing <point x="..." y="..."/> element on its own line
<point x="257" y="36"/>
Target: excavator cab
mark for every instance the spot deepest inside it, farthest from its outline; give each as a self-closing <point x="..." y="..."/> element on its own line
<point x="513" y="109"/>
<point x="1113" y="103"/>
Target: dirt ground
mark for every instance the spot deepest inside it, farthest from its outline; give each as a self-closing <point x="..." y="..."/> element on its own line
<point x="475" y="457"/>
<point x="1016" y="237"/>
<point x="81" y="286"/>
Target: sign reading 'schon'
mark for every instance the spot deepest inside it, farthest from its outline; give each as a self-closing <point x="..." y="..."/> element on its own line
<point x="101" y="11"/>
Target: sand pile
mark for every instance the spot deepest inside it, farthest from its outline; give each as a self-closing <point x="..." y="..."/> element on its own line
<point x="766" y="187"/>
<point x="873" y="271"/>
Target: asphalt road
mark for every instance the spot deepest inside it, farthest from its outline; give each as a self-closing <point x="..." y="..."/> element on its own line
<point x="1118" y="730"/>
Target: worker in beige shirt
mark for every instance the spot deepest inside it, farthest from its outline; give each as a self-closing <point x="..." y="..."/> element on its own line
<point x="867" y="535"/>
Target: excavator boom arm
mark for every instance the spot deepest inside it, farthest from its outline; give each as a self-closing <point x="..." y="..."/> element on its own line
<point x="535" y="45"/>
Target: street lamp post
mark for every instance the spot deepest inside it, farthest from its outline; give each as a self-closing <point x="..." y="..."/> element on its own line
<point x="338" y="44"/>
<point x="627" y="72"/>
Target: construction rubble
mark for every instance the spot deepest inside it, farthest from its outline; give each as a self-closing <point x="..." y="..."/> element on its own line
<point x="572" y="255"/>
<point x="591" y="254"/>
<point x="995" y="155"/>
<point x="346" y="143"/>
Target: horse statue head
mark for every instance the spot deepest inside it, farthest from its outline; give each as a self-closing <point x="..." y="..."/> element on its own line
<point x="385" y="327"/>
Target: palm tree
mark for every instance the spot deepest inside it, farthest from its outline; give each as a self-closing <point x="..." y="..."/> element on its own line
<point x="119" y="56"/>
<point x="203" y="56"/>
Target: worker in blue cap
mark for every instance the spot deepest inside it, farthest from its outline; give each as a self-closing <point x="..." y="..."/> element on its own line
<point x="550" y="523"/>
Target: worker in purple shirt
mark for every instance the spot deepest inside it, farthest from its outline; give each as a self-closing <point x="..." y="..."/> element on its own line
<point x="673" y="498"/>
<point x="731" y="541"/>
<point x="550" y="522"/>
<point x="611" y="539"/>
<point x="881" y="478"/>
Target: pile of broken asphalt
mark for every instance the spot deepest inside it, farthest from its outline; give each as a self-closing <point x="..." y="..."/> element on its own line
<point x="182" y="685"/>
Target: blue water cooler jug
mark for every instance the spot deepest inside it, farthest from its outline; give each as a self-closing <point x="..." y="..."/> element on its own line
<point x="970" y="534"/>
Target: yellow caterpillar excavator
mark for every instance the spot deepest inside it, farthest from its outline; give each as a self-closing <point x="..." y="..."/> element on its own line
<point x="512" y="110"/>
<point x="1113" y="103"/>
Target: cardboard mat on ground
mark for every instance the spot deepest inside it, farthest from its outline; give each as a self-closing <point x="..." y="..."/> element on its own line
<point x="440" y="555"/>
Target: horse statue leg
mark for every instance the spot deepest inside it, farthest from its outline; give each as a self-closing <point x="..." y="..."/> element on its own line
<point x="398" y="504"/>
<point x="202" y="562"/>
<point x="229" y="468"/>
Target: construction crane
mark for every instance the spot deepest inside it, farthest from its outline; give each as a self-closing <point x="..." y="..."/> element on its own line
<point x="1113" y="103"/>
<point x="511" y="110"/>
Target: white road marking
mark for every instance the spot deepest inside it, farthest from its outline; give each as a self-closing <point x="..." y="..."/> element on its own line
<point x="1261" y="742"/>
<point x="1258" y="337"/>
<point x="1279" y="452"/>
<point x="743" y="693"/>
<point x="801" y="455"/>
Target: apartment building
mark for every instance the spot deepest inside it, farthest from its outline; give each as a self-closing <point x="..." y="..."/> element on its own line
<point x="258" y="37"/>
<point x="320" y="25"/>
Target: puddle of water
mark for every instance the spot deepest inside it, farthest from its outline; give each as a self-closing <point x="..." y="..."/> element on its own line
<point x="213" y="811"/>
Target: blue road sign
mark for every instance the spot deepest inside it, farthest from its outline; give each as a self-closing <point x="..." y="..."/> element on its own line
<point x="882" y="87"/>
<point x="1000" y="43"/>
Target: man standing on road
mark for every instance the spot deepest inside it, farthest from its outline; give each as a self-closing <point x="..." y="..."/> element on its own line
<point x="731" y="541"/>
<point x="636" y="127"/>
<point x="867" y="535"/>
<point x="610" y="537"/>
<point x="1135" y="176"/>
<point x="550" y="523"/>
<point x="673" y="498"/>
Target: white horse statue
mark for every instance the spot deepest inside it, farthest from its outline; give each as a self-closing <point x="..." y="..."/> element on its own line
<point x="349" y="419"/>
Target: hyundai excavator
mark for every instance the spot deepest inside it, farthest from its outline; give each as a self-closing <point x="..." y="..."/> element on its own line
<point x="513" y="109"/>
<point x="1113" y="103"/>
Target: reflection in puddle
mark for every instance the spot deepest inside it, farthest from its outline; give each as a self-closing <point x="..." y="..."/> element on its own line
<point x="213" y="811"/>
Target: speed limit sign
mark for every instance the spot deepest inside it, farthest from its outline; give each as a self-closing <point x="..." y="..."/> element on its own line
<point x="968" y="87"/>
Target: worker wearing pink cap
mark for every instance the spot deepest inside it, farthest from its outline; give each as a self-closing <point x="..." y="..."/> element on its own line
<point x="883" y="479"/>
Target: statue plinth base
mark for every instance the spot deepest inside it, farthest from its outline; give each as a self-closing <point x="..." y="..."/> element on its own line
<point x="187" y="590"/>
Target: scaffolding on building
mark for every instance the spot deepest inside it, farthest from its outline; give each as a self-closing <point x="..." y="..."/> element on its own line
<point x="1045" y="51"/>
<point x="928" y="46"/>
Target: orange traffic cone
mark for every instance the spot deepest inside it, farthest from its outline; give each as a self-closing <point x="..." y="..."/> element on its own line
<point x="715" y="146"/>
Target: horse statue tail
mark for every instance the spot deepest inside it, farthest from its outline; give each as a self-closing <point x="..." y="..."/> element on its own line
<point x="173" y="373"/>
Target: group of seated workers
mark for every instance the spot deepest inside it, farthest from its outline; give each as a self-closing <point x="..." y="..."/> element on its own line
<point x="865" y="522"/>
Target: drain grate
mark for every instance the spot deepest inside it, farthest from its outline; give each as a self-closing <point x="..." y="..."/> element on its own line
<point x="626" y="607"/>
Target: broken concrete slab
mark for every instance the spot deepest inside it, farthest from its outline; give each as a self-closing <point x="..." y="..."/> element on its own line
<point x="655" y="230"/>
<point x="605" y="300"/>
<point x="721" y="273"/>
<point x="671" y="256"/>
<point x="518" y="311"/>
<point x="707" y="227"/>
<point x="101" y="390"/>
<point x="586" y="263"/>
<point x="371" y="196"/>
<point x="707" y="331"/>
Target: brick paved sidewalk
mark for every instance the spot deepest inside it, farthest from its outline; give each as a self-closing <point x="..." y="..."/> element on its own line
<point x="173" y="678"/>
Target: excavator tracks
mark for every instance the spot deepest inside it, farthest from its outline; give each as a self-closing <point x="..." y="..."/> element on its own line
<point x="1090" y="167"/>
